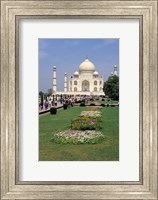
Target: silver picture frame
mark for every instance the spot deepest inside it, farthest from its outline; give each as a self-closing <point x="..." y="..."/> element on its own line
<point x="11" y="12"/>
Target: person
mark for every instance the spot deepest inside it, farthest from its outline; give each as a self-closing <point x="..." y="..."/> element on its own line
<point x="69" y="103"/>
<point x="50" y="103"/>
<point x="56" y="103"/>
<point x="46" y="105"/>
<point x="72" y="102"/>
<point x="41" y="106"/>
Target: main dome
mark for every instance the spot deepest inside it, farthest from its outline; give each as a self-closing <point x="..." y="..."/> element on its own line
<point x="87" y="65"/>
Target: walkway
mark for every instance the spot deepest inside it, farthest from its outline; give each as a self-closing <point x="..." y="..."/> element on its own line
<point x="59" y="105"/>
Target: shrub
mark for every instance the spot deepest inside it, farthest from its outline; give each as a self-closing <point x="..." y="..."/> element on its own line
<point x="82" y="104"/>
<point x="107" y="105"/>
<point x="65" y="106"/>
<point x="103" y="105"/>
<point x="92" y="104"/>
<point x="53" y="111"/>
<point x="86" y="123"/>
<point x="79" y="101"/>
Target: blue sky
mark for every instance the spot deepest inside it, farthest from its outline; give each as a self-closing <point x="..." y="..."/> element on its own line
<point x="67" y="54"/>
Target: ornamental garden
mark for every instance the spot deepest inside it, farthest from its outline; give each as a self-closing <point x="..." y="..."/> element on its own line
<point x="80" y="133"/>
<point x="84" y="129"/>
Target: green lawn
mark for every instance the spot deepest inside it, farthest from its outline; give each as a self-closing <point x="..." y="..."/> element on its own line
<point x="107" y="150"/>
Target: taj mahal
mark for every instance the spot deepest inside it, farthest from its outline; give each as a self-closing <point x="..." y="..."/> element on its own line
<point x="85" y="81"/>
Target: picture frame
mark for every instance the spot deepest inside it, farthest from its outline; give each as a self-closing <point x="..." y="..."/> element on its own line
<point x="11" y="12"/>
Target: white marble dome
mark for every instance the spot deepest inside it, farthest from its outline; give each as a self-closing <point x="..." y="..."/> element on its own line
<point x="76" y="73"/>
<point x="87" y="65"/>
<point x="96" y="73"/>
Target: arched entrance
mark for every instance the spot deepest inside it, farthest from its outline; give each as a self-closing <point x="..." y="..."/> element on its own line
<point x="85" y="85"/>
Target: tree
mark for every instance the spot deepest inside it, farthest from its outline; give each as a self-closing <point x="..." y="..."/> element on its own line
<point x="41" y="95"/>
<point x="111" y="87"/>
<point x="49" y="92"/>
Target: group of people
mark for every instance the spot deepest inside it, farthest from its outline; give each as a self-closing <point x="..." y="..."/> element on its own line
<point x="68" y="101"/>
<point x="47" y="104"/>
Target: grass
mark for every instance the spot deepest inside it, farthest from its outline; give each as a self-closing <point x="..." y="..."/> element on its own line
<point x="107" y="150"/>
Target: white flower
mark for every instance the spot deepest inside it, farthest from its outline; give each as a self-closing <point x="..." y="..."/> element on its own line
<point x="91" y="113"/>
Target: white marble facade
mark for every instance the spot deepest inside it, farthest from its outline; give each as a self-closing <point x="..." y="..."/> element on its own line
<point x="85" y="81"/>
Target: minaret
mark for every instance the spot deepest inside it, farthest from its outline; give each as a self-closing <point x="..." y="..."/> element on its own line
<point x="65" y="82"/>
<point x="115" y="70"/>
<point x="54" y="80"/>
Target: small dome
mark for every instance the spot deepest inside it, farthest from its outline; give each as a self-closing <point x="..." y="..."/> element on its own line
<point x="87" y="65"/>
<point x="76" y="73"/>
<point x="95" y="73"/>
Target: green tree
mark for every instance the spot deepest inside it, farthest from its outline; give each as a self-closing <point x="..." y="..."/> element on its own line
<point x="41" y="95"/>
<point x="111" y="87"/>
<point x="49" y="92"/>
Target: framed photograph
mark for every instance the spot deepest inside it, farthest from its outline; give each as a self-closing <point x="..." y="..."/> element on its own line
<point x="80" y="111"/>
<point x="78" y="99"/>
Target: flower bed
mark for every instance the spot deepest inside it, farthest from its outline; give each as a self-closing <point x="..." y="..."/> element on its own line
<point x="78" y="137"/>
<point x="86" y="123"/>
<point x="84" y="129"/>
<point x="92" y="108"/>
<point x="91" y="113"/>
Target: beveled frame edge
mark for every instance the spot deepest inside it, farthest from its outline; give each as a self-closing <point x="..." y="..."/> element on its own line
<point x="140" y="99"/>
<point x="9" y="188"/>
